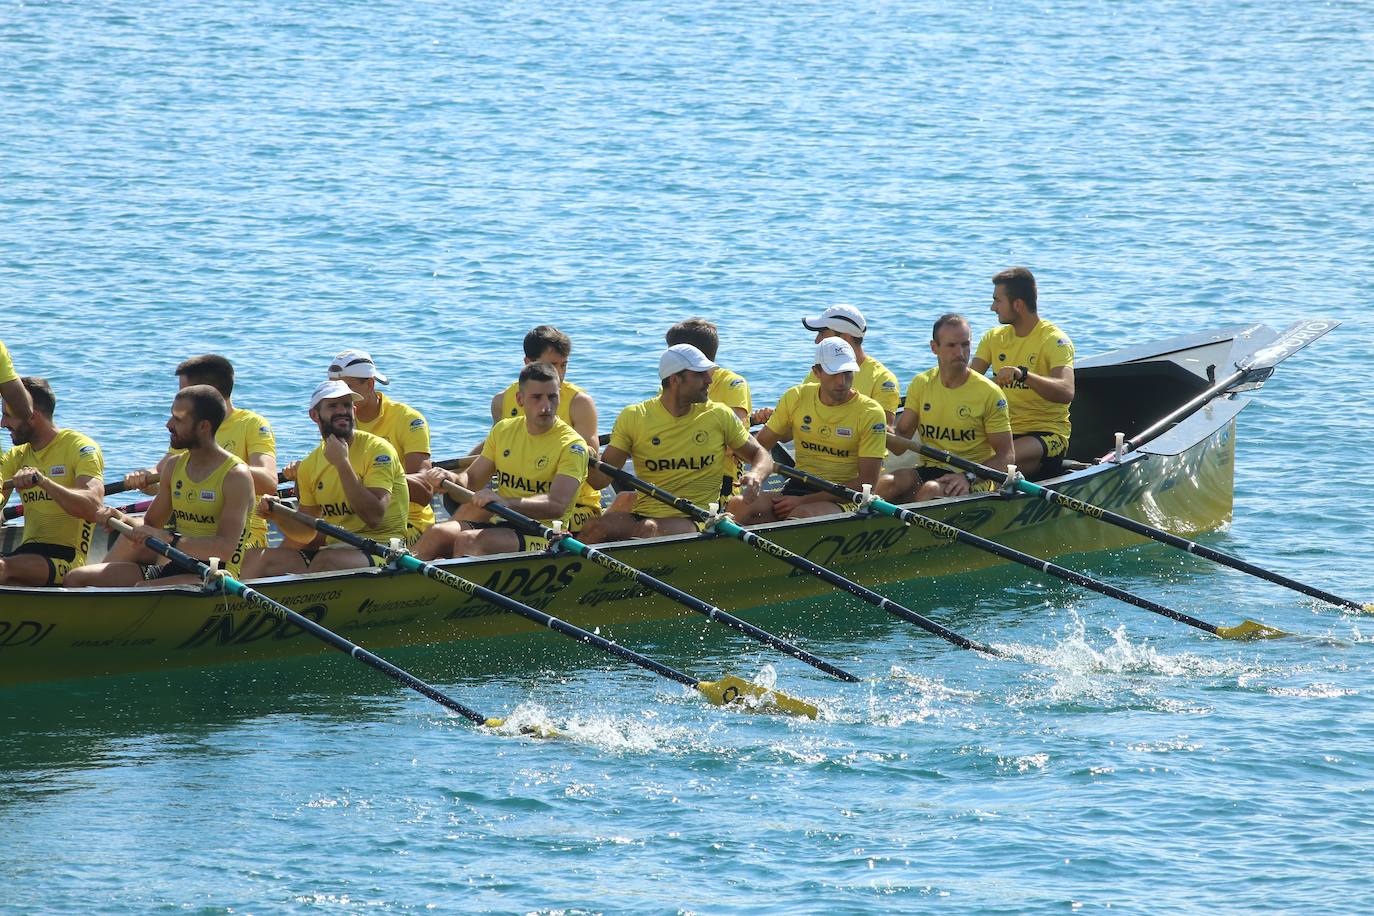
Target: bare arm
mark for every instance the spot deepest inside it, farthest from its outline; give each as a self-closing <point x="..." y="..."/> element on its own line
<point x="297" y="534"/>
<point x="238" y="498"/>
<point x="81" y="501"/>
<point x="979" y="366"/>
<point x="17" y="398"/>
<point x="545" y="506"/>
<point x="1057" y="387"/>
<point x="416" y="482"/>
<point x="583" y="414"/>
<point x="369" y="504"/>
<point x="263" y="468"/>
<point x="907" y="422"/>
<point x="612" y="456"/>
<point x="760" y="464"/>
<point x="1002" y="443"/>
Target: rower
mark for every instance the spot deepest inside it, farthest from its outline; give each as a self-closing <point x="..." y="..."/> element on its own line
<point x="872" y="378"/>
<point x="680" y="441"/>
<point x="840" y="435"/>
<point x="954" y="409"/>
<point x="202" y="510"/>
<point x="352" y="479"/>
<point x="403" y="426"/>
<point x="12" y="390"/>
<point x="58" y="475"/>
<point x="546" y="344"/>
<point x="243" y="434"/>
<point x="1032" y="361"/>
<point x="540" y="462"/>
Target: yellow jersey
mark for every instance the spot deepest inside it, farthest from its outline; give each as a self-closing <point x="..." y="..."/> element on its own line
<point x="244" y="434"/>
<point x="684" y="455"/>
<point x="729" y="388"/>
<point x="405" y="428"/>
<point x="198" y="504"/>
<point x="588" y="496"/>
<point x="1044" y="348"/>
<point x="873" y="380"/>
<point x="7" y="373"/>
<point x="829" y="441"/>
<point x="957" y="420"/>
<point x="378" y="466"/>
<point x="67" y="458"/>
<point x="526" y="465"/>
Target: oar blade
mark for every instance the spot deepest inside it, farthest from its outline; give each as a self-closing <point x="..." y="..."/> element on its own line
<point x="731" y="689"/>
<point x="1250" y="629"/>
<point x="529" y="729"/>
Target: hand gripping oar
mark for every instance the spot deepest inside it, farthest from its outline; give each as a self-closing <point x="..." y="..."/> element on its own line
<point x="1248" y="629"/>
<point x="560" y="540"/>
<point x="728" y="689"/>
<point x="1158" y="534"/>
<point x="279" y="610"/>
<point x="1252" y="369"/>
<point x="727" y="526"/>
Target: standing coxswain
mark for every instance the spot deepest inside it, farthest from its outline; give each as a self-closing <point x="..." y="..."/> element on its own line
<point x="202" y="503"/>
<point x="58" y="475"/>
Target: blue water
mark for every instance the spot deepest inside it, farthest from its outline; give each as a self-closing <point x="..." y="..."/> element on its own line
<point x="280" y="181"/>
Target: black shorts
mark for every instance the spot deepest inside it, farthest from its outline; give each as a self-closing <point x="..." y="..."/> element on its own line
<point x="1055" y="447"/>
<point x="60" y="558"/>
<point x="525" y="541"/>
<point x="797" y="488"/>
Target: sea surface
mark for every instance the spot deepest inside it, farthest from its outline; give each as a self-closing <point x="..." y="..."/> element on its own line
<point x="279" y="181"/>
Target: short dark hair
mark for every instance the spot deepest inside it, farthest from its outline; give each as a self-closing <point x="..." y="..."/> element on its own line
<point x="698" y="332"/>
<point x="211" y="369"/>
<point x="44" y="401"/>
<point x="1019" y="283"/>
<point x="206" y="404"/>
<point x="547" y="337"/>
<point x="538" y="372"/>
<point x="947" y="318"/>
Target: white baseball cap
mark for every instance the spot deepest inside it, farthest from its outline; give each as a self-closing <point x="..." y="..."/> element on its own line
<point x="333" y="388"/>
<point x="682" y="356"/>
<point x="845" y="319"/>
<point x="835" y="356"/>
<point x="355" y="364"/>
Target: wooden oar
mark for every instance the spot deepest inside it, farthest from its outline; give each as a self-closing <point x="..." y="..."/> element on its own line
<point x="1251" y="370"/>
<point x="281" y="611"/>
<point x="728" y="689"/>
<point x="565" y="543"/>
<point x="726" y="525"/>
<point x="1247" y="629"/>
<point x="1158" y="534"/>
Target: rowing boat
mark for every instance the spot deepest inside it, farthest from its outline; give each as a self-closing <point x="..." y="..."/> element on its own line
<point x="1181" y="480"/>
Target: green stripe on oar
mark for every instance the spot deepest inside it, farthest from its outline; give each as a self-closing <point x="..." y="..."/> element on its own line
<point x="566" y="543"/>
<point x="1121" y="521"/>
<point x="726" y="690"/>
<point x="728" y="526"/>
<point x="277" y="609"/>
<point x="1246" y="630"/>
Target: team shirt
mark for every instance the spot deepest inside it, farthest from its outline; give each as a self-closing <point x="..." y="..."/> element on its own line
<point x="829" y="440"/>
<point x="683" y="455"/>
<point x="198" y="504"/>
<point x="1043" y="349"/>
<point x="958" y="420"/>
<point x="730" y="388"/>
<point x="377" y="465"/>
<point x="526" y="465"/>
<point x="874" y="380"/>
<point x="243" y="434"/>
<point x="588" y="496"/>
<point x="67" y="458"/>
<point x="405" y="428"/>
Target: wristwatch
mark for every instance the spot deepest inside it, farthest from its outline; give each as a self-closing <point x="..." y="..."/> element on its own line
<point x="1024" y="372"/>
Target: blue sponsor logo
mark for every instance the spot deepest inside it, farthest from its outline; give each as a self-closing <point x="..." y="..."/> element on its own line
<point x="577" y="448"/>
<point x="1001" y="403"/>
<point x="735" y="383"/>
<point x="265" y="430"/>
<point x="382" y="459"/>
<point x="879" y="427"/>
<point x="417" y="422"/>
<point x="87" y="450"/>
<point x="889" y="386"/>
